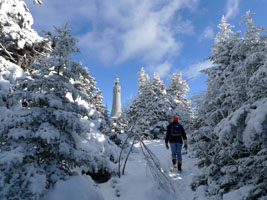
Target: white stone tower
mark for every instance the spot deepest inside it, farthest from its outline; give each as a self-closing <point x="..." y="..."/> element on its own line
<point x="116" y="104"/>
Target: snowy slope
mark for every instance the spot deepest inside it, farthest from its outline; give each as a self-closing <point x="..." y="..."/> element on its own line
<point x="138" y="182"/>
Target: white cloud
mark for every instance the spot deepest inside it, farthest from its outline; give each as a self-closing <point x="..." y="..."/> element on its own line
<point x="162" y="69"/>
<point x="232" y="8"/>
<point x="208" y="33"/>
<point x="116" y="31"/>
<point x="194" y="70"/>
<point x="185" y="27"/>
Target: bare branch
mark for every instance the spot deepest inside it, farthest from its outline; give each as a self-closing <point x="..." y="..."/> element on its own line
<point x="122" y="147"/>
<point x="8" y="53"/>
<point x="156" y="170"/>
<point x="124" y="166"/>
<point x="38" y="2"/>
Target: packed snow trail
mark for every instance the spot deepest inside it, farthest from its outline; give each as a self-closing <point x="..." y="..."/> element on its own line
<point x="138" y="183"/>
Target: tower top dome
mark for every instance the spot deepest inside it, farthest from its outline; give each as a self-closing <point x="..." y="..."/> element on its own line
<point x="117" y="80"/>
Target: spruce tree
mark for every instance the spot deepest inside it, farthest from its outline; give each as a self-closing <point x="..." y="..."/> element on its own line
<point x="147" y="114"/>
<point x="153" y="109"/>
<point x="180" y="105"/>
<point x="231" y="141"/>
<point x="19" y="43"/>
<point x="50" y="128"/>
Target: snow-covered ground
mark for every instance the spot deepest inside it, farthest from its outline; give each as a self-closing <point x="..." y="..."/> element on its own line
<point x="136" y="184"/>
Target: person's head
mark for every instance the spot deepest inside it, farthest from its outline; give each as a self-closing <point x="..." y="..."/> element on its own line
<point x="175" y="119"/>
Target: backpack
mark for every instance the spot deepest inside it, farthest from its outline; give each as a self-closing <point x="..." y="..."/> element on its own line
<point x="176" y="130"/>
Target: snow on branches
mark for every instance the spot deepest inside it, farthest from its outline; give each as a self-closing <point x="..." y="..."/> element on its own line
<point x="231" y="140"/>
<point x="51" y="125"/>
<point x="19" y="43"/>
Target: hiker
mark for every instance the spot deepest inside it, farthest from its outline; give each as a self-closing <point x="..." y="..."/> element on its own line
<point x="176" y="136"/>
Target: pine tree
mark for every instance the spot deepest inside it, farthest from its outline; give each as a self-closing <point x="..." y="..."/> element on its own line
<point x="153" y="109"/>
<point x="118" y="129"/>
<point x="231" y="141"/>
<point x="19" y="43"/>
<point x="180" y="105"/>
<point x="43" y="140"/>
<point x="147" y="113"/>
<point x="143" y="80"/>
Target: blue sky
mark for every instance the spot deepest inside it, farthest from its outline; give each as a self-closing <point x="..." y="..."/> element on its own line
<point x="118" y="37"/>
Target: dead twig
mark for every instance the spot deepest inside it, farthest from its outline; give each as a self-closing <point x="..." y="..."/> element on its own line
<point x="8" y="53"/>
<point x="156" y="170"/>
<point x="129" y="152"/>
<point x="122" y="147"/>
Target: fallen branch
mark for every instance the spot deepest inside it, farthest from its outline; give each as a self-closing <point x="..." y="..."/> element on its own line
<point x="156" y="170"/>
<point x="122" y="147"/>
<point x="8" y="53"/>
<point x="158" y="173"/>
<point x="129" y="152"/>
<point x="40" y="54"/>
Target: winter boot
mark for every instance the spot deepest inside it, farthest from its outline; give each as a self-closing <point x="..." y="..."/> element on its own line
<point x="174" y="163"/>
<point x="180" y="165"/>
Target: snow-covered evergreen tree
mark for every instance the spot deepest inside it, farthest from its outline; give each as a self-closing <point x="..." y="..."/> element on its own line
<point x="231" y="141"/>
<point x="180" y="105"/>
<point x="55" y="129"/>
<point x="153" y="109"/>
<point x="118" y="129"/>
<point x="147" y="114"/>
<point x="143" y="81"/>
<point x="19" y="43"/>
<point x="9" y="73"/>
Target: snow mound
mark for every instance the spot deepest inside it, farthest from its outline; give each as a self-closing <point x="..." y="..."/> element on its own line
<point x="77" y="187"/>
<point x="9" y="73"/>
